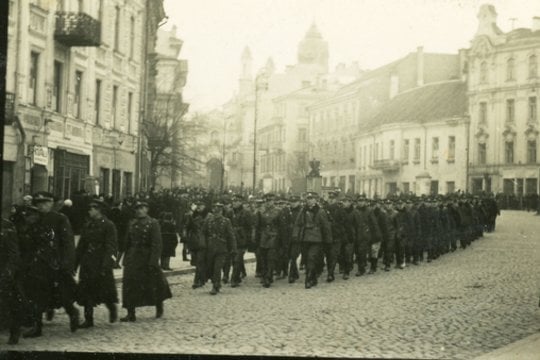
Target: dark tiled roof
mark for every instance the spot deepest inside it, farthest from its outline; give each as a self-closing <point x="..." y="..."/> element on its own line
<point x="423" y="104"/>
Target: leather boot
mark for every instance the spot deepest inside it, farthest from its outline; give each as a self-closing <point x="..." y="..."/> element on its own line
<point x="35" y="331"/>
<point x="159" y="310"/>
<point x="130" y="317"/>
<point x="113" y="312"/>
<point x="88" y="317"/>
<point x="14" y="335"/>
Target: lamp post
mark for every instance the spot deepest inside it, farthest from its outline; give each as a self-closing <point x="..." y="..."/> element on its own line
<point x="263" y="86"/>
<point x="223" y="154"/>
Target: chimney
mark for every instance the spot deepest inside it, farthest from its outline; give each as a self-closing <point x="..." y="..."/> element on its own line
<point x="463" y="65"/>
<point x="420" y="66"/>
<point x="536" y="23"/>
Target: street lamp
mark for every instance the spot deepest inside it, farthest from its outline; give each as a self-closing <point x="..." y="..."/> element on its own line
<point x="263" y="86"/>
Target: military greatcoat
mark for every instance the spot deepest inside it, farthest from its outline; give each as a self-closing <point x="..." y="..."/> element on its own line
<point x="95" y="255"/>
<point x="144" y="283"/>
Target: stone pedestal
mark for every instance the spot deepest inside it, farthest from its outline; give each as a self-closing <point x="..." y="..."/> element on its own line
<point x="313" y="184"/>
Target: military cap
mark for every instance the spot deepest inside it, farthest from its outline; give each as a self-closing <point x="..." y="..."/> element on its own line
<point x="219" y="204"/>
<point x="237" y="197"/>
<point x="294" y="198"/>
<point x="312" y="195"/>
<point x="333" y="194"/>
<point x="42" y="196"/>
<point x="269" y="196"/>
<point x="97" y="203"/>
<point x="141" y="203"/>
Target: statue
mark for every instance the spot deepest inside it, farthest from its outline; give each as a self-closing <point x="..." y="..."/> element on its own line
<point x="315" y="171"/>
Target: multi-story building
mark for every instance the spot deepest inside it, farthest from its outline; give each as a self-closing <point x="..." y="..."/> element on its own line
<point x="74" y="73"/>
<point x="169" y="108"/>
<point x="339" y="120"/>
<point x="503" y="85"/>
<point x="416" y="142"/>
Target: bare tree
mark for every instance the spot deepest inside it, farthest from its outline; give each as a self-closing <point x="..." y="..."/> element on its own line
<point x="172" y="139"/>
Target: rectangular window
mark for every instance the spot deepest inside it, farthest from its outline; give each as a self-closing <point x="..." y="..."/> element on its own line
<point x="482" y="154"/>
<point x="117" y="28"/>
<point x="531" y="151"/>
<point x="434" y="187"/>
<point x="482" y="116"/>
<point x="531" y="186"/>
<point x="116" y="184"/>
<point x="519" y="186"/>
<point x="131" y="37"/>
<point x="510" y="110"/>
<point x="33" y="78"/>
<point x="532" y="109"/>
<point x="376" y="153"/>
<point x="417" y="149"/>
<point x="97" y="101"/>
<point x="435" y="148"/>
<point x="450" y="187"/>
<point x="406" y="187"/>
<point x="451" y="148"/>
<point x="105" y="179"/>
<point x="114" y="105"/>
<point x="302" y="135"/>
<point x="392" y="145"/>
<point x="509" y="152"/>
<point x="78" y="94"/>
<point x="129" y="112"/>
<point x="57" y="88"/>
<point x="406" y="150"/>
<point x="371" y="154"/>
<point x="508" y="186"/>
<point x="127" y="191"/>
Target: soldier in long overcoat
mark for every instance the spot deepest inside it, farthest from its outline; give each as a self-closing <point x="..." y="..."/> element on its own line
<point x="350" y="222"/>
<point x="96" y="255"/>
<point x="11" y="297"/>
<point x="49" y="264"/>
<point x="368" y="238"/>
<point x="196" y="243"/>
<point x="312" y="228"/>
<point x="332" y="244"/>
<point x="220" y="242"/>
<point x="169" y="237"/>
<point x="242" y="225"/>
<point x="144" y="283"/>
<point x="266" y="234"/>
<point x="294" y="245"/>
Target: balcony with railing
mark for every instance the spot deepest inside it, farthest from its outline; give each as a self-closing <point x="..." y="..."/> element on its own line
<point x="77" y="29"/>
<point x="386" y="165"/>
<point x="10" y="108"/>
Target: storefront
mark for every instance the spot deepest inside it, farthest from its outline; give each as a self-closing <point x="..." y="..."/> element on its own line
<point x="70" y="173"/>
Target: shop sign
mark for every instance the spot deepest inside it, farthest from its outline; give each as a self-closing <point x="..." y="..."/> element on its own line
<point x="41" y="155"/>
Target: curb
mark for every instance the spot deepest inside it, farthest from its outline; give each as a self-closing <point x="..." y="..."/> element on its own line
<point x="184" y="271"/>
<point x="524" y="349"/>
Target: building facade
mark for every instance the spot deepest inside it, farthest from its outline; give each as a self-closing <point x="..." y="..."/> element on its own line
<point x="73" y="84"/>
<point x="339" y="128"/>
<point x="170" y="108"/>
<point x="416" y="143"/>
<point x="503" y="85"/>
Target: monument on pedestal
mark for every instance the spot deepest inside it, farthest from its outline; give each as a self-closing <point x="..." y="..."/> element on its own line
<point x="314" y="178"/>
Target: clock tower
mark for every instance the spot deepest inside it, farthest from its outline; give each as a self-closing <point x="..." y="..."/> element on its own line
<point x="313" y="49"/>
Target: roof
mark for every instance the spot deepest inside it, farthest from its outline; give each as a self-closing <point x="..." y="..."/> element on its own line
<point x="432" y="102"/>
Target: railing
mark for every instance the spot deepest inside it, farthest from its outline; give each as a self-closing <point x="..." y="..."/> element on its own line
<point x="77" y="29"/>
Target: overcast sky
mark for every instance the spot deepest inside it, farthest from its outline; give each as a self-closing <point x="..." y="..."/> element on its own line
<point x="371" y="32"/>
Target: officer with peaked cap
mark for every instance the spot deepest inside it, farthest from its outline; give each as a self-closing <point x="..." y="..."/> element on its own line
<point x="144" y="283"/>
<point x="266" y="234"/>
<point x="50" y="264"/>
<point x="242" y="225"/>
<point x="95" y="254"/>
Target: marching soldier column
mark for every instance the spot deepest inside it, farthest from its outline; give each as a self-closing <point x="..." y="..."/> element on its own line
<point x="39" y="260"/>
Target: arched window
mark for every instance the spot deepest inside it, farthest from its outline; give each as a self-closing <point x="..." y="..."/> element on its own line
<point x="510" y="69"/>
<point x="533" y="66"/>
<point x="483" y="72"/>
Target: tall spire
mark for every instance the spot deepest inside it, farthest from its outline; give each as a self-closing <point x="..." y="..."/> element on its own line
<point x="246" y="63"/>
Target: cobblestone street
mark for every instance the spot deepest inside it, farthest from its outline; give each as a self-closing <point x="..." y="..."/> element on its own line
<point x="463" y="305"/>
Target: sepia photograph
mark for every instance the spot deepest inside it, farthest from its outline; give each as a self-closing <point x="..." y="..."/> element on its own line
<point x="270" y="179"/>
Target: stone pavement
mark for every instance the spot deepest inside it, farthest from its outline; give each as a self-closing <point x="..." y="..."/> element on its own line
<point x="526" y="349"/>
<point x="461" y="306"/>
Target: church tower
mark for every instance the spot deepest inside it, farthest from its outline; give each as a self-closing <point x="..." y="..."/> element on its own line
<point x="313" y="49"/>
<point x="245" y="81"/>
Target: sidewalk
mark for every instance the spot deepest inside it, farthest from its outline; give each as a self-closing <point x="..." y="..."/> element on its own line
<point x="180" y="267"/>
<point x="524" y="349"/>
